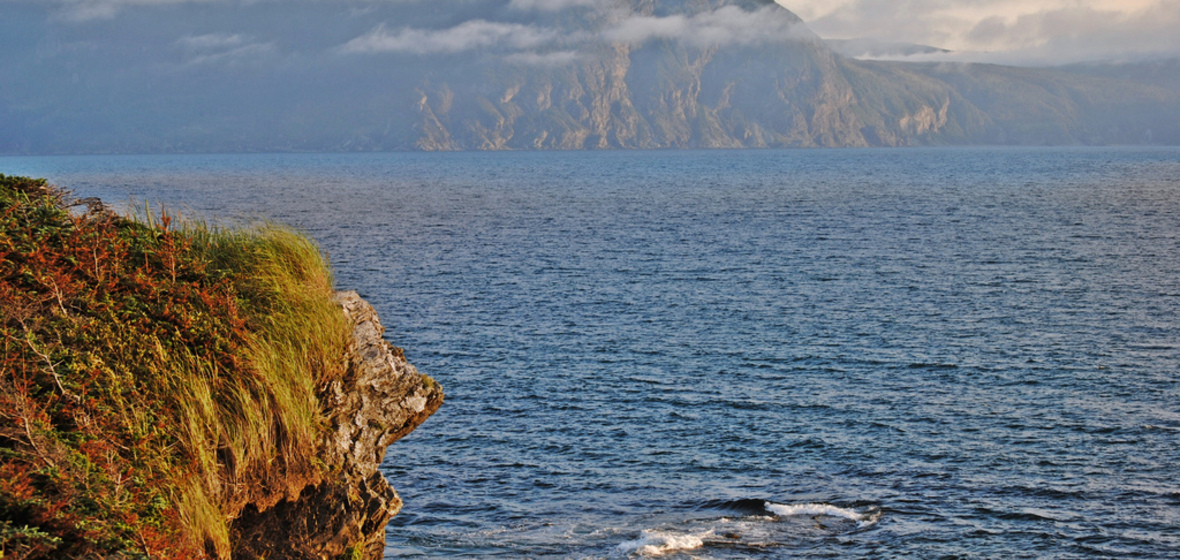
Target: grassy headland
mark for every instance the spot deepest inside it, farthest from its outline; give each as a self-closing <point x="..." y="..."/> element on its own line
<point x="152" y="374"/>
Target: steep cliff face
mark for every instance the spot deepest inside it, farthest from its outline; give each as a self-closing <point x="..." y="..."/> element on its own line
<point x="380" y="400"/>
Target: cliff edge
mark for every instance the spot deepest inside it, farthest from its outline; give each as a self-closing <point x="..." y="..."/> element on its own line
<point x="380" y="399"/>
<point x="170" y="389"/>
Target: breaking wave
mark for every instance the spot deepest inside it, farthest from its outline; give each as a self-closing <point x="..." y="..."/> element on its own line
<point x="760" y="525"/>
<point x="828" y="510"/>
<point x="657" y="543"/>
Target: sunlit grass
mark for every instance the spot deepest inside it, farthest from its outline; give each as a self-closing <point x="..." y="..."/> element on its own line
<point x="153" y="369"/>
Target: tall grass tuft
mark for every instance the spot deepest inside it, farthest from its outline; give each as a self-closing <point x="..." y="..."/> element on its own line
<point x="266" y="422"/>
<point x="156" y="375"/>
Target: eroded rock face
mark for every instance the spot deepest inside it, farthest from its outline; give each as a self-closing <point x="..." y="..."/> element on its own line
<point x="380" y="399"/>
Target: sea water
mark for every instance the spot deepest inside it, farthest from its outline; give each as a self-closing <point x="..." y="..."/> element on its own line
<point x="926" y="353"/>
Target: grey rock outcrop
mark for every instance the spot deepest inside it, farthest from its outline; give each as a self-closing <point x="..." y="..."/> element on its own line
<point x="380" y="399"/>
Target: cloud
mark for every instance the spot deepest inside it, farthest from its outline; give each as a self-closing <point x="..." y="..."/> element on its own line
<point x="558" y="58"/>
<point x="78" y="11"/>
<point x="223" y="48"/>
<point x="244" y="53"/>
<point x="723" y="26"/>
<point x="549" y="5"/>
<point x="1006" y="31"/>
<point x="210" y="41"/>
<point x="88" y="10"/>
<point x="1080" y="26"/>
<point x="469" y="35"/>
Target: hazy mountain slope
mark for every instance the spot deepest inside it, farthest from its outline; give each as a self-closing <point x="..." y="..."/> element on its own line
<point x="903" y="107"/>
<point x="1028" y="106"/>
<point x="1162" y="73"/>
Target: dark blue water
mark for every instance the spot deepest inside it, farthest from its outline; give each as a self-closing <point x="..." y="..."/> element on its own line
<point x="967" y="353"/>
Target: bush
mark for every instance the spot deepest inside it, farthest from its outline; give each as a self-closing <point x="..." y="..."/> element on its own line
<point x="150" y="371"/>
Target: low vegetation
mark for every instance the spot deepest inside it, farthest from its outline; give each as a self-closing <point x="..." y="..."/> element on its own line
<point x="149" y="371"/>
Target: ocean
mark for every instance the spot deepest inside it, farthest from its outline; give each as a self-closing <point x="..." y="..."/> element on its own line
<point x="888" y="353"/>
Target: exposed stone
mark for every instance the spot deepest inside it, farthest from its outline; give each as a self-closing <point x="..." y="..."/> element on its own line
<point x="380" y="399"/>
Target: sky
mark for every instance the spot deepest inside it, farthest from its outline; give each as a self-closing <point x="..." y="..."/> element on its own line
<point x="1023" y="32"/>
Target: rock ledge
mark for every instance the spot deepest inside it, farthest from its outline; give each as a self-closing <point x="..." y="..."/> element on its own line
<point x="380" y="399"/>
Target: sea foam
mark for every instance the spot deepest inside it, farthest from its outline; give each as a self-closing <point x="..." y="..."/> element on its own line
<point x="785" y="510"/>
<point x="657" y="543"/>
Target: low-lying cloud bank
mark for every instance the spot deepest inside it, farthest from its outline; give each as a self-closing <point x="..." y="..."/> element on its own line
<point x="724" y="26"/>
<point x="728" y="25"/>
<point x="469" y="35"/>
<point x="551" y="5"/>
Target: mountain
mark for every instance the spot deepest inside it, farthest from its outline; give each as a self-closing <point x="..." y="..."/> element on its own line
<point x="873" y="48"/>
<point x="494" y="76"/>
<point x="1163" y="73"/>
<point x="795" y="92"/>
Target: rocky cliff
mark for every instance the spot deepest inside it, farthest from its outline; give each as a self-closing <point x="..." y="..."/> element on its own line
<point x="380" y="399"/>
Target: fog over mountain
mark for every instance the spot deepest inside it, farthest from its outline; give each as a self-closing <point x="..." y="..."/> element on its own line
<point x="105" y="76"/>
<point x="878" y="49"/>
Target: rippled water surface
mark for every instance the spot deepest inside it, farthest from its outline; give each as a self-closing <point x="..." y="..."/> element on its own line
<point x="752" y="354"/>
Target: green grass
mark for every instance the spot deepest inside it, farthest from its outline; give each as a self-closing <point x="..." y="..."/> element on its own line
<point x="154" y="375"/>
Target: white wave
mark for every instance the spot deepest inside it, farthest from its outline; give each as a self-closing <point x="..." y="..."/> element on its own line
<point x="1165" y="428"/>
<point x="658" y="543"/>
<point x="862" y="519"/>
